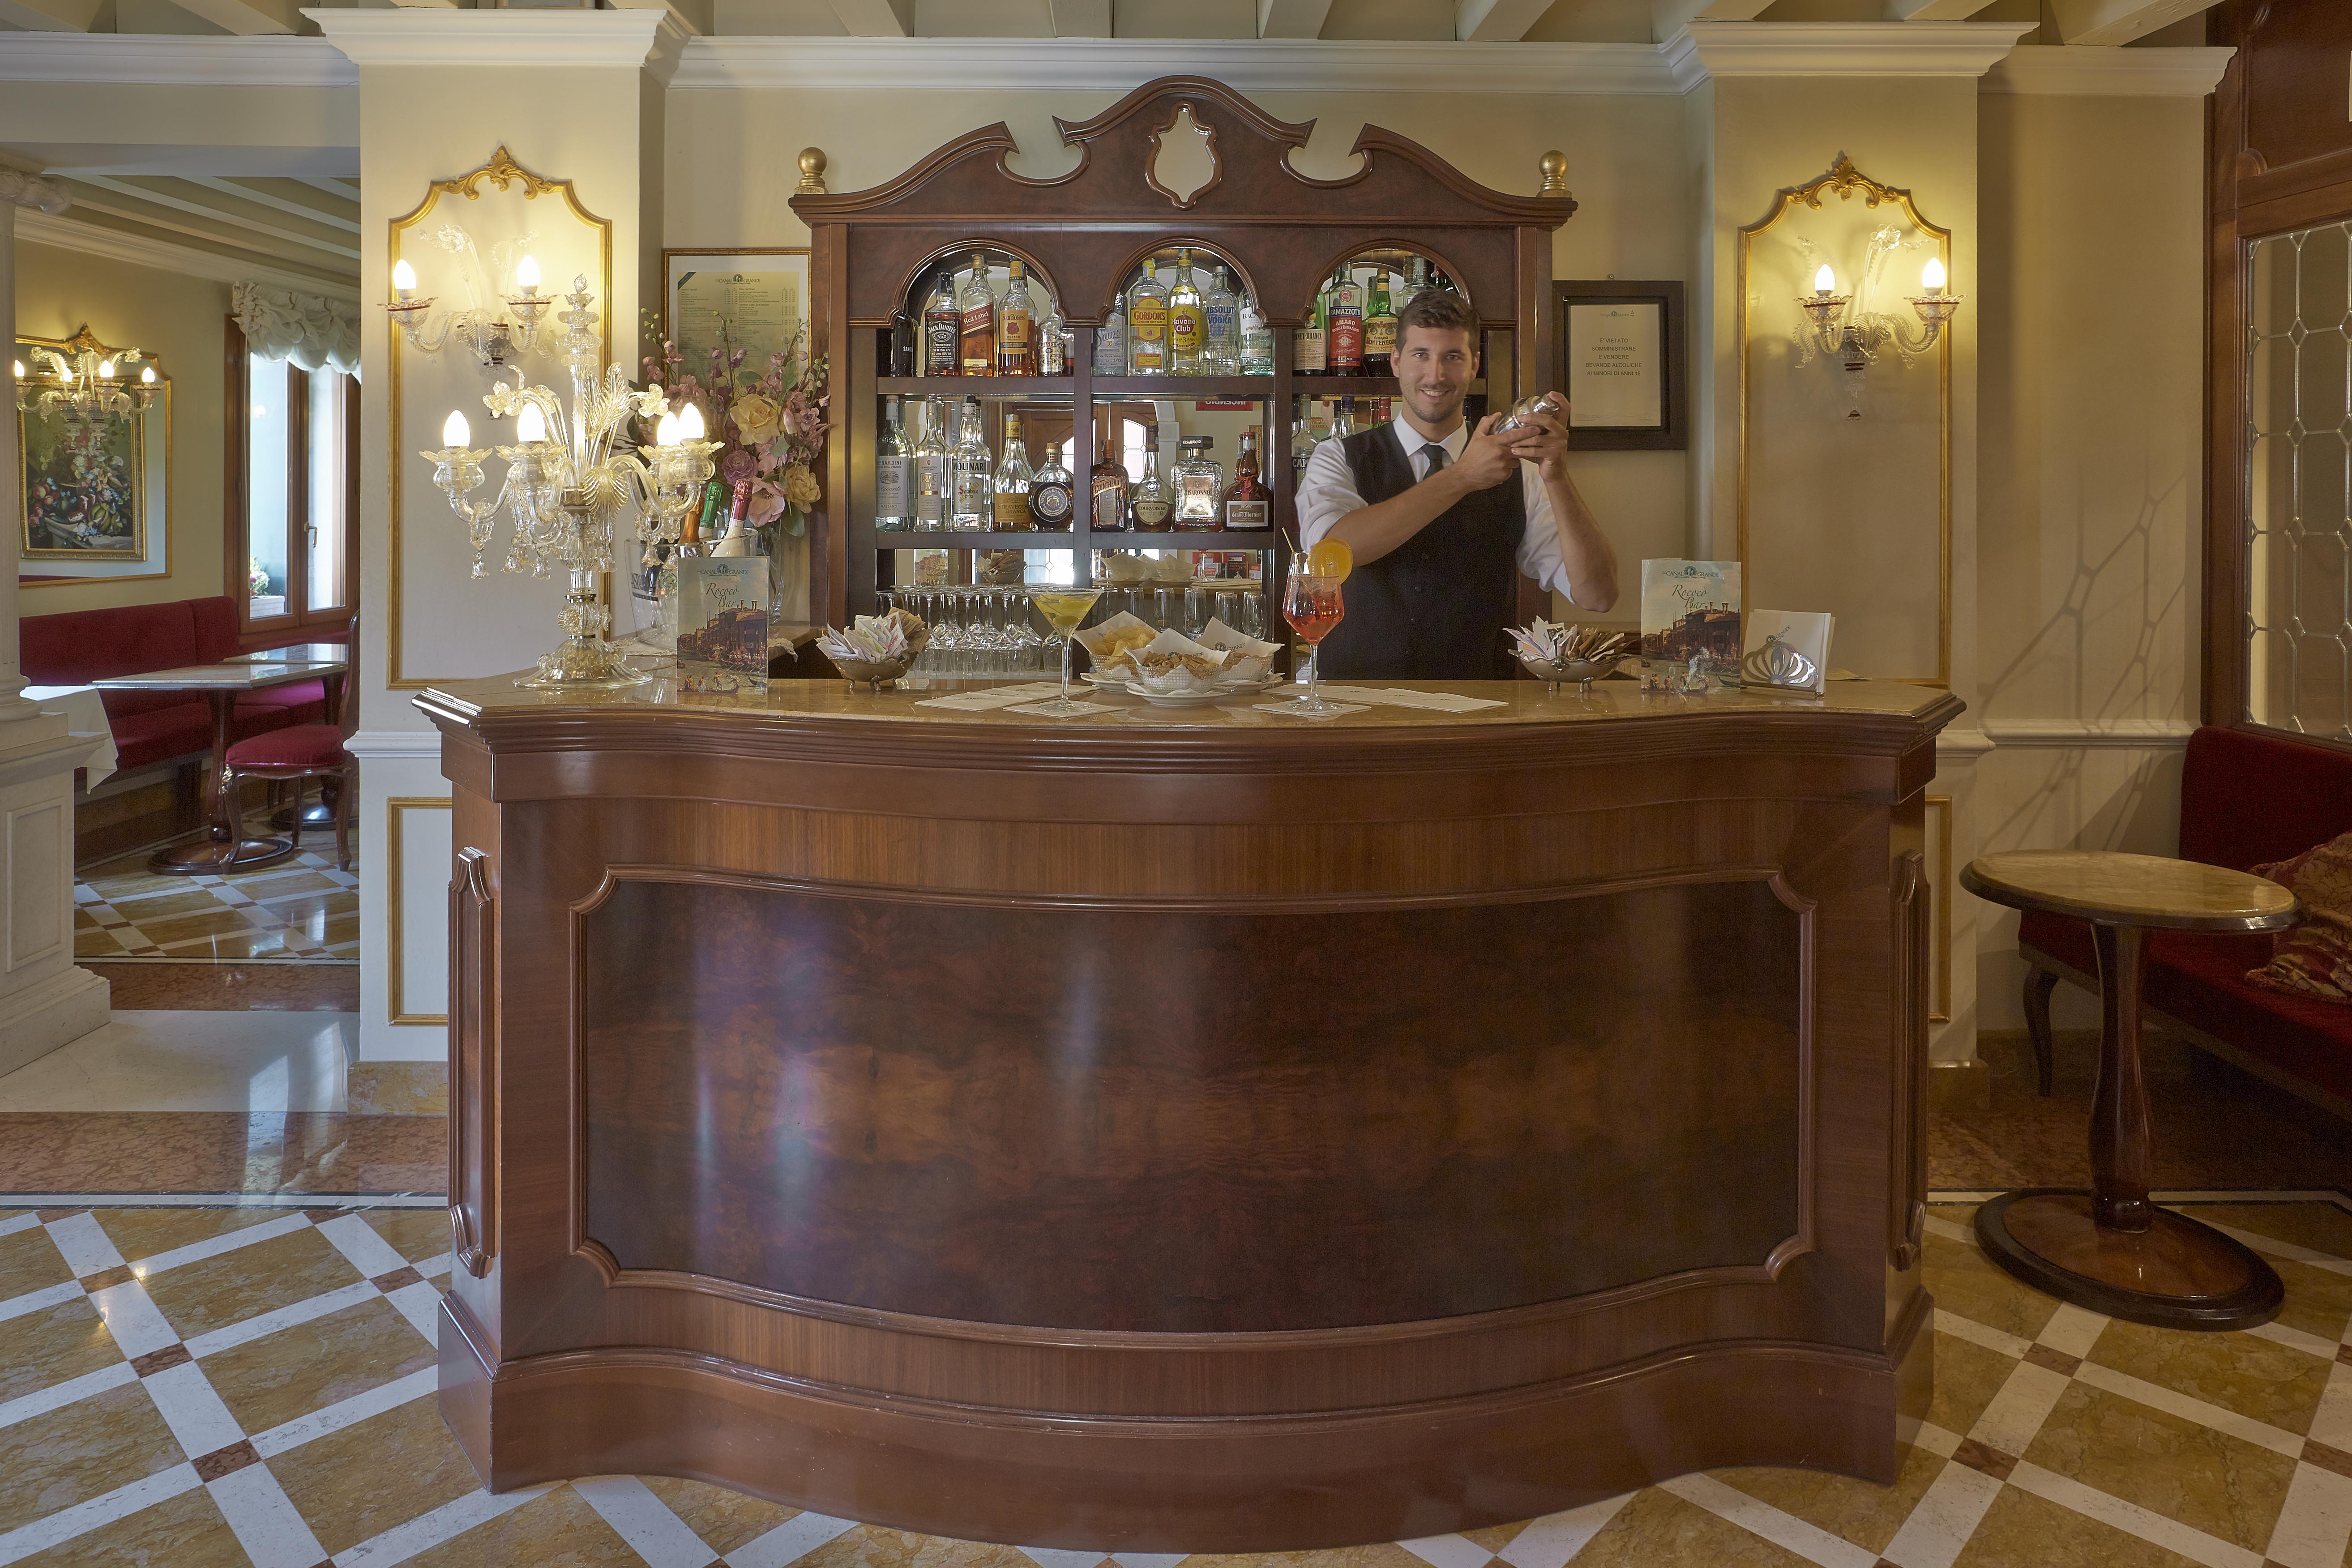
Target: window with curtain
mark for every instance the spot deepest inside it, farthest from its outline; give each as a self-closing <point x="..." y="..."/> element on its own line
<point x="293" y="470"/>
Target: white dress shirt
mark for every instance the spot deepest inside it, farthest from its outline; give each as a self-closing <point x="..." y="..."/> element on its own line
<point x="1329" y="493"/>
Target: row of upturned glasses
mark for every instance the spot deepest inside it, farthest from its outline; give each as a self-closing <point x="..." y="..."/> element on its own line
<point x="980" y="632"/>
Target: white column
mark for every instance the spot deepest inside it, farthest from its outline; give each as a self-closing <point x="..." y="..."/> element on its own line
<point x="45" y="1000"/>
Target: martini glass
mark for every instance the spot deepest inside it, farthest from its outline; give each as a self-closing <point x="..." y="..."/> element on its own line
<point x="1063" y="608"/>
<point x="1312" y="607"/>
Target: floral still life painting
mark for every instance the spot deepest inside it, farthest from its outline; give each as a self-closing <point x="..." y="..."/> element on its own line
<point x="83" y="487"/>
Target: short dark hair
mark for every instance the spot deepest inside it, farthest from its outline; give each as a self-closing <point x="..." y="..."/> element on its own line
<point x="1439" y="308"/>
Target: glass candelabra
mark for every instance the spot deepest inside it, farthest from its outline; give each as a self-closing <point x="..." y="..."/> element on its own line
<point x="1861" y="336"/>
<point x="569" y="483"/>
<point x="87" y="393"/>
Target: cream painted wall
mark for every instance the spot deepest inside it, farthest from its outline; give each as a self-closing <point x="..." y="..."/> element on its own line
<point x="730" y="172"/>
<point x="178" y="320"/>
<point x="2093" y="431"/>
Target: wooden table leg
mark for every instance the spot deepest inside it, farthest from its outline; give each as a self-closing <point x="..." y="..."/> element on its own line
<point x="223" y="846"/>
<point x="2110" y="1249"/>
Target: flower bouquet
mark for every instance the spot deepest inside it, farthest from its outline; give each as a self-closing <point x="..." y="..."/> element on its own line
<point x="770" y="424"/>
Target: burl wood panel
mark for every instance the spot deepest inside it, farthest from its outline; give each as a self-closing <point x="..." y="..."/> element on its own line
<point x="1213" y="1122"/>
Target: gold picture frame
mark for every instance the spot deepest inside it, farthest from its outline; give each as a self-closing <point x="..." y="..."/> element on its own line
<point x="1847" y="182"/>
<point x="141" y="478"/>
<point x="502" y="171"/>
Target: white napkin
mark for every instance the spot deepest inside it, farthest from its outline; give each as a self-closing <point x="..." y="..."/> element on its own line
<point x="999" y="697"/>
<point x="1091" y="638"/>
<point x="1218" y="634"/>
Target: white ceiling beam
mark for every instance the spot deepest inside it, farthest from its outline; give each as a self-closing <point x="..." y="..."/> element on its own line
<point x="1933" y="10"/>
<point x="1668" y="17"/>
<point x="51" y="16"/>
<point x="1497" y="21"/>
<point x="429" y="5"/>
<point x="214" y="214"/>
<point x="244" y="192"/>
<point x="696" y="17"/>
<point x="1292" y="18"/>
<point x="1082" y="19"/>
<point x="876" y="18"/>
<point x="247" y="18"/>
<point x="2112" y="21"/>
<point x="347" y="189"/>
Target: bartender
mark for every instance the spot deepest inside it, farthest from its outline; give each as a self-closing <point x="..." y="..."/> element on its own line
<point x="1443" y="521"/>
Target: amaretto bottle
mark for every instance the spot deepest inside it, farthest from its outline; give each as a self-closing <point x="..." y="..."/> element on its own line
<point x="1248" y="503"/>
<point x="971" y="503"/>
<point x="1146" y="324"/>
<point x="894" y="473"/>
<point x="1009" y="493"/>
<point x="976" y="305"/>
<point x="1110" y="339"/>
<point x="1187" y="324"/>
<point x="1221" y="329"/>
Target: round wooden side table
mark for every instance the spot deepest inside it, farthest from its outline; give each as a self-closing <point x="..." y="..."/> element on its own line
<point x="2110" y="1249"/>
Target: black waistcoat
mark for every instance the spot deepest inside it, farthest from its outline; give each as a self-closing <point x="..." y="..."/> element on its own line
<point x="1436" y="607"/>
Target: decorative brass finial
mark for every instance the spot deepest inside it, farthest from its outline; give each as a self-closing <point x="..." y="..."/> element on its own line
<point x="811" y="172"/>
<point x="1555" y="174"/>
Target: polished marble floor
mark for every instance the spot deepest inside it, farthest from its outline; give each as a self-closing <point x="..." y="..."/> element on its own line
<point x="190" y="1060"/>
<point x="206" y="1386"/>
<point x="300" y="909"/>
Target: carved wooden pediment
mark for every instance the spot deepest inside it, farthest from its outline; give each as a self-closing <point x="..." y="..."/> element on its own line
<point x="1116" y="175"/>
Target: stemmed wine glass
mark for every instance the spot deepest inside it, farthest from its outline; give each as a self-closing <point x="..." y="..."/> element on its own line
<point x="1064" y="608"/>
<point x="1312" y="605"/>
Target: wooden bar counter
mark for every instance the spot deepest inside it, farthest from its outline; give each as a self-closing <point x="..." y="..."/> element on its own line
<point x="1179" y="1132"/>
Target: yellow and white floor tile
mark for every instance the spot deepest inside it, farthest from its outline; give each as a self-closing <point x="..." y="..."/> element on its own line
<point x="217" y="1383"/>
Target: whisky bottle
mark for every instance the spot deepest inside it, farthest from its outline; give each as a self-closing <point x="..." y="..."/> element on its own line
<point x="942" y="331"/>
<point x="976" y="307"/>
<point x="1186" y="325"/>
<point x="969" y="503"/>
<point x="1151" y="504"/>
<point x="1221" y="329"/>
<point x="1016" y="325"/>
<point x="894" y="473"/>
<point x="1200" y="486"/>
<point x="934" y="468"/>
<point x="904" y="337"/>
<point x="1380" y="328"/>
<point x="1146" y="324"/>
<point x="1310" y="353"/>
<point x="1248" y="503"/>
<point x="1009" y="495"/>
<point x="1050" y="491"/>
<point x="1347" y="298"/>
<point x="1110" y="339"/>
<point x="1110" y="478"/>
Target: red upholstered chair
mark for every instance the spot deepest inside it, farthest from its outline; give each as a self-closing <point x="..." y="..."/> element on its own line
<point x="303" y="752"/>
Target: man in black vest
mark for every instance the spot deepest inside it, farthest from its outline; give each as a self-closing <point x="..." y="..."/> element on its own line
<point x="1444" y="520"/>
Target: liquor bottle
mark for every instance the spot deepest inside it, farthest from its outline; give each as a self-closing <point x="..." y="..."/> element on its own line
<point x="1110" y="339"/>
<point x="970" y="503"/>
<point x="942" y="331"/>
<point x="1151" y="504"/>
<point x="1347" y="323"/>
<point x="1302" y="446"/>
<point x="1419" y="283"/>
<point x="1110" y="484"/>
<point x="1050" y="492"/>
<point x="904" y="336"/>
<point x="1221" y="329"/>
<point x="1200" y="486"/>
<point x="1343" y="422"/>
<point x="1248" y="503"/>
<point x="1257" y="339"/>
<point x="1380" y="328"/>
<point x="1017" y="326"/>
<point x="894" y="473"/>
<point x="1186" y="323"/>
<point x="976" y="311"/>
<point x="1310" y="352"/>
<point x="1054" y="344"/>
<point x="1009" y="496"/>
<point x="1146" y="324"/>
<point x="934" y="468"/>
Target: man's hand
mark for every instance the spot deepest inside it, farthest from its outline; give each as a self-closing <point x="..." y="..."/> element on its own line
<point x="1487" y="459"/>
<point x="1543" y="441"/>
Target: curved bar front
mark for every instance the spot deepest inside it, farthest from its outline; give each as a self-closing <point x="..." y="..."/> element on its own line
<point x="1180" y="1132"/>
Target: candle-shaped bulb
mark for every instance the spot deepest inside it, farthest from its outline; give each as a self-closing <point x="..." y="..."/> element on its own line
<point x="689" y="423"/>
<point x="404" y="278"/>
<point x="531" y="425"/>
<point x="147" y="376"/>
<point x="527" y="275"/>
<point x="666" y="432"/>
<point x="456" y="433"/>
<point x="1825" y="281"/>
<point x="1931" y="276"/>
<point x="106" y="369"/>
<point x="20" y="368"/>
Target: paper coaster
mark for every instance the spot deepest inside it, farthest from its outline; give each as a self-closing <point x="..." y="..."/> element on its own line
<point x="1290" y="709"/>
<point x="1078" y="709"/>
<point x="990" y="701"/>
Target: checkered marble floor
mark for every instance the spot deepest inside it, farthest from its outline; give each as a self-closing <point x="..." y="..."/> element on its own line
<point x="300" y="908"/>
<point x="206" y="1386"/>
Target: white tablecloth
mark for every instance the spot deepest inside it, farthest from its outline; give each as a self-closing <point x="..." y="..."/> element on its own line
<point x="85" y="717"/>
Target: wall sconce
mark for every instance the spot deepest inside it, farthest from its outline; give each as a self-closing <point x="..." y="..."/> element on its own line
<point x="496" y="342"/>
<point x="88" y="391"/>
<point x="1858" y="339"/>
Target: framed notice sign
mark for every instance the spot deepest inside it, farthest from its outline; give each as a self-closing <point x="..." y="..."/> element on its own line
<point x="755" y="302"/>
<point x="1622" y="364"/>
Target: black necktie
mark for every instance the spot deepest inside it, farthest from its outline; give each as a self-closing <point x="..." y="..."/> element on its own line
<point x="1436" y="455"/>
